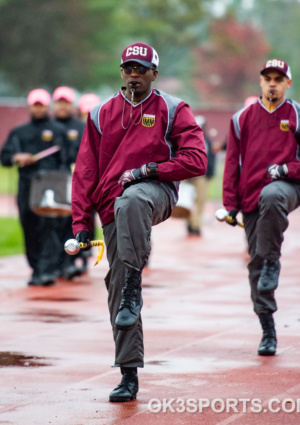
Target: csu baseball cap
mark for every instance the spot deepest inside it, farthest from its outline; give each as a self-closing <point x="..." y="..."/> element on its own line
<point x="140" y="53"/>
<point x="39" y="96"/>
<point x="65" y="93"/>
<point x="278" y="65"/>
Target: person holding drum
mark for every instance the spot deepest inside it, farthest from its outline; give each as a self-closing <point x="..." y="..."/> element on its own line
<point x="137" y="146"/>
<point x="63" y="107"/>
<point x="24" y="147"/>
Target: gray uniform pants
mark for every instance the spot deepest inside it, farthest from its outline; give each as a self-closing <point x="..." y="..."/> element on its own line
<point x="127" y="240"/>
<point x="264" y="230"/>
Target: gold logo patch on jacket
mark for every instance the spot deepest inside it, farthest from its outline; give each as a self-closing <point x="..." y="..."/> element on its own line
<point x="284" y="125"/>
<point x="148" y="120"/>
<point x="47" y="135"/>
<point x="72" y="134"/>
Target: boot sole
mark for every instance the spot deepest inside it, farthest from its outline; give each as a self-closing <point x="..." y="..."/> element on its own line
<point x="266" y="353"/>
<point x="126" y="328"/>
<point x="122" y="399"/>
<point x="46" y="283"/>
<point x="71" y="276"/>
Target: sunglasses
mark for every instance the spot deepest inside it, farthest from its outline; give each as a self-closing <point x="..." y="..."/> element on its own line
<point x="142" y="70"/>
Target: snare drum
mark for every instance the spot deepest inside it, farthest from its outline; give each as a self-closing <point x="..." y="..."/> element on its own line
<point x="186" y="198"/>
<point x="50" y="194"/>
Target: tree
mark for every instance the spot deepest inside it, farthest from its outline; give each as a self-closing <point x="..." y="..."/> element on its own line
<point x="279" y="20"/>
<point x="79" y="42"/>
<point x="40" y="43"/>
<point x="228" y="64"/>
<point x="170" y="26"/>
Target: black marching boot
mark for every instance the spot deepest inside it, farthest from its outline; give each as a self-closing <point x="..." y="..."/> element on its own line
<point x="128" y="387"/>
<point x="268" y="344"/>
<point x="131" y="302"/>
<point x="268" y="280"/>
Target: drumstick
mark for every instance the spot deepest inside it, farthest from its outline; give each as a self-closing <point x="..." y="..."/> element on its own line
<point x="222" y="215"/>
<point x="46" y="152"/>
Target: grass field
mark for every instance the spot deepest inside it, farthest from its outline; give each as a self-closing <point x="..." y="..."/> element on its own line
<point x="8" y="180"/>
<point x="215" y="186"/>
<point x="11" y="236"/>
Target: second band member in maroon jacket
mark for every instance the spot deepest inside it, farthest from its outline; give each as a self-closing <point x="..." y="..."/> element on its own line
<point x="137" y="146"/>
<point x="262" y="179"/>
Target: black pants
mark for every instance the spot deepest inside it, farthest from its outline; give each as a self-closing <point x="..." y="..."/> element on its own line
<point x="264" y="229"/>
<point x="128" y="246"/>
<point x="40" y="236"/>
<point x="65" y="232"/>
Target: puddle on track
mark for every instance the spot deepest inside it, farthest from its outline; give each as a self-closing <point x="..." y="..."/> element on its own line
<point x="14" y="359"/>
<point x="56" y="299"/>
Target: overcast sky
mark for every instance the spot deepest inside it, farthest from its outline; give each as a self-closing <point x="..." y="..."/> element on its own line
<point x="218" y="7"/>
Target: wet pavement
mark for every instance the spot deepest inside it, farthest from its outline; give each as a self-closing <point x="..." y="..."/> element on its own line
<point x="201" y="339"/>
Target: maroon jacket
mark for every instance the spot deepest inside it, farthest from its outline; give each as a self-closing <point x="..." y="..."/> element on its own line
<point x="258" y="138"/>
<point x="162" y="129"/>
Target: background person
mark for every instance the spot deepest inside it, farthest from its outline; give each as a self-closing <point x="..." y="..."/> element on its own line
<point x="87" y="102"/>
<point x="64" y="109"/>
<point x="136" y="147"/>
<point x="23" y="142"/>
<point x="262" y="179"/>
<point x="201" y="184"/>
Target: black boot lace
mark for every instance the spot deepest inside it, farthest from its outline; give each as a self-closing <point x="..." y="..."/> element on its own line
<point x="271" y="267"/>
<point x="129" y="295"/>
<point x="268" y="326"/>
<point x="130" y="291"/>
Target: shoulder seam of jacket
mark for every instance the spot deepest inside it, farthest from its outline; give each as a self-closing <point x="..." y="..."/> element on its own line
<point x="296" y="107"/>
<point x="95" y="112"/>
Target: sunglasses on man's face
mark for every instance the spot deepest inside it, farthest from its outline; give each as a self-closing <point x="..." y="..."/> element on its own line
<point x="139" y="69"/>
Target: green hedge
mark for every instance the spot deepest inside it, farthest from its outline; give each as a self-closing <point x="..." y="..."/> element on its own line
<point x="8" y="180"/>
<point x="11" y="236"/>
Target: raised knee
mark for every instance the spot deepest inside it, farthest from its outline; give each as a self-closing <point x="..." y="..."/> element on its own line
<point x="271" y="196"/>
<point x="132" y="200"/>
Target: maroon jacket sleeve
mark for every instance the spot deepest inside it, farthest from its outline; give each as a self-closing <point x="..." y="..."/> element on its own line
<point x="293" y="169"/>
<point x="85" y="178"/>
<point x="231" y="172"/>
<point x="191" y="159"/>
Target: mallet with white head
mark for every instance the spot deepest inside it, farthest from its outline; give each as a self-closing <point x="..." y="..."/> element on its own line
<point x="222" y="215"/>
<point x="72" y="247"/>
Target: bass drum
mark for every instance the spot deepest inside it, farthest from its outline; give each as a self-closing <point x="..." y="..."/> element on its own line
<point x="186" y="198"/>
<point x="50" y="194"/>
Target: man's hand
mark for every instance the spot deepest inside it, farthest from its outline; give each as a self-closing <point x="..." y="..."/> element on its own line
<point x="231" y="218"/>
<point x="146" y="171"/>
<point x="84" y="237"/>
<point x="22" y="159"/>
<point x="276" y="171"/>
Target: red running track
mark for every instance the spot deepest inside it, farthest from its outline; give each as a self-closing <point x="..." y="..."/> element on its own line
<point x="201" y="339"/>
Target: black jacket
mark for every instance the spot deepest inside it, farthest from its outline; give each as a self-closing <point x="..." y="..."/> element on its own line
<point x="34" y="137"/>
<point x="74" y="128"/>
